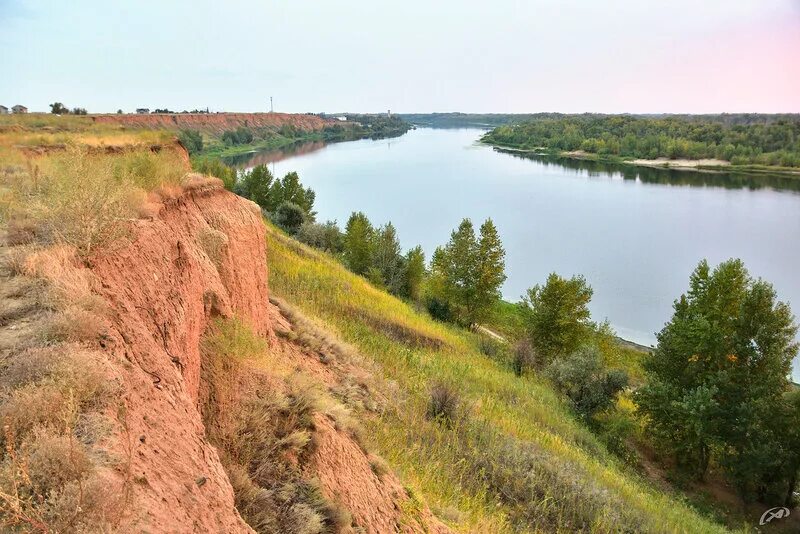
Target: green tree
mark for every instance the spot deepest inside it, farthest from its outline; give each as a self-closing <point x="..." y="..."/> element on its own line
<point x="386" y="258"/>
<point x="325" y="236"/>
<point x="490" y="271"/>
<point x="358" y="242"/>
<point x="557" y="315"/>
<point x="467" y="272"/>
<point x="289" y="189"/>
<point x="454" y="268"/>
<point x="192" y="140"/>
<point x="57" y="108"/>
<point x="717" y="377"/>
<point x="256" y="185"/>
<point x="215" y="167"/>
<point x="414" y="273"/>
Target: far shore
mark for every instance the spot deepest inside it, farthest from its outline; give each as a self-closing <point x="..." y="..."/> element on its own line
<point x="698" y="165"/>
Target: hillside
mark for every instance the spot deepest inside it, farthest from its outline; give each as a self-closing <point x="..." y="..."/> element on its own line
<point x="155" y="378"/>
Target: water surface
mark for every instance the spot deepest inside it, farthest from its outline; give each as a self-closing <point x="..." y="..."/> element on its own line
<point x="636" y="235"/>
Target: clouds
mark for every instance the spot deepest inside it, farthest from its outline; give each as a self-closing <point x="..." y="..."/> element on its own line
<point x="407" y="56"/>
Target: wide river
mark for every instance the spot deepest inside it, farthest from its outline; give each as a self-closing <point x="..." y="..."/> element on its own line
<point x="635" y="235"/>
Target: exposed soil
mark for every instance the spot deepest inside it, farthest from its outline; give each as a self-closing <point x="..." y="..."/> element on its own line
<point x="216" y="123"/>
<point x="201" y="254"/>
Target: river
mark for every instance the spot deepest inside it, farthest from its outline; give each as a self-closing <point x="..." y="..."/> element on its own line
<point x="635" y="234"/>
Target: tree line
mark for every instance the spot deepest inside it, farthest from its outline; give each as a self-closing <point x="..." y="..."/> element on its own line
<point x="764" y="140"/>
<point x="57" y="108"/>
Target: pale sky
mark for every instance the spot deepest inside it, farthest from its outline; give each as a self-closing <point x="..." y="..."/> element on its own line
<point x="638" y="56"/>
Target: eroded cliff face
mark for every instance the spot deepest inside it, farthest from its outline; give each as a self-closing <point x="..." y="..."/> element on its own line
<point x="216" y="122"/>
<point x="203" y="254"/>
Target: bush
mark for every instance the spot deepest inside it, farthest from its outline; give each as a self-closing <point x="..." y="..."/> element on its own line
<point x="444" y="403"/>
<point x="239" y="136"/>
<point x="215" y="167"/>
<point x="581" y="377"/>
<point x="290" y="217"/>
<point x="192" y="140"/>
<point x="524" y="357"/>
<point x="325" y="237"/>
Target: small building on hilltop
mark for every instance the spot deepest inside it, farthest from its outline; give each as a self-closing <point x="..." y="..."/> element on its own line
<point x="3" y="110"/>
<point x="142" y="111"/>
<point x="19" y="108"/>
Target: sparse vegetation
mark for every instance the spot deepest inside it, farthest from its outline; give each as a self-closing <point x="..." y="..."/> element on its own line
<point x="267" y="439"/>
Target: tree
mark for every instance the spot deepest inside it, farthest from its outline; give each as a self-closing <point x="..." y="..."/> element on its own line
<point x="79" y="111"/>
<point x="290" y="217"/>
<point x="386" y="258"/>
<point x="256" y="185"/>
<point x="467" y="272"/>
<point x="358" y="242"/>
<point x="454" y="267"/>
<point x="215" y="167"/>
<point x="717" y="377"/>
<point x="57" y="108"/>
<point x="414" y="273"/>
<point x="490" y="271"/>
<point x="557" y="315"/>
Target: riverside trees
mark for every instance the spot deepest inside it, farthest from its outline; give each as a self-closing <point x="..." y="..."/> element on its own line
<point x="466" y="273"/>
<point x="717" y="382"/>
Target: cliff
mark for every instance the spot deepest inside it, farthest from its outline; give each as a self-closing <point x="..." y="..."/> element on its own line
<point x="202" y="256"/>
<point x="215" y="123"/>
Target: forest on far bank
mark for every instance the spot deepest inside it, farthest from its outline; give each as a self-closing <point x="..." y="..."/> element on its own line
<point x="741" y="139"/>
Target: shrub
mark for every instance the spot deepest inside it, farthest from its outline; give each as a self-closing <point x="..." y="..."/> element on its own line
<point x="444" y="403"/>
<point x="215" y="167"/>
<point x="581" y="377"/>
<point x="524" y="357"/>
<point x="290" y="217"/>
<point x="489" y="347"/>
<point x="192" y="140"/>
<point x="325" y="236"/>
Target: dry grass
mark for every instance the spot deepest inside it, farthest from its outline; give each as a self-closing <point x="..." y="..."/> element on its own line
<point x="42" y="201"/>
<point x="266" y="435"/>
<point x="48" y="474"/>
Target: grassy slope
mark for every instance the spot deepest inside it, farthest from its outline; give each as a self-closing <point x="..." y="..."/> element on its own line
<point x="447" y="464"/>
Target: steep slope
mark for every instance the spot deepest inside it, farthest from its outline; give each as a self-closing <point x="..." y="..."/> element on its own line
<point x="175" y="408"/>
<point x="513" y="458"/>
<point x="216" y="123"/>
<point x="201" y="256"/>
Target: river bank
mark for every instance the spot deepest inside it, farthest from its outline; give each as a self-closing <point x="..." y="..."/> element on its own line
<point x="700" y="165"/>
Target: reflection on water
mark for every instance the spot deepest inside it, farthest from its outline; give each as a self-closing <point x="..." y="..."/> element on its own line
<point x="665" y="176"/>
<point x="251" y="159"/>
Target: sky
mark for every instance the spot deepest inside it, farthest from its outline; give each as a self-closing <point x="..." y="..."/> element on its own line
<point x="636" y="56"/>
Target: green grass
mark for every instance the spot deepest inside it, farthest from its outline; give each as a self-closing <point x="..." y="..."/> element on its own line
<point x="517" y="460"/>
